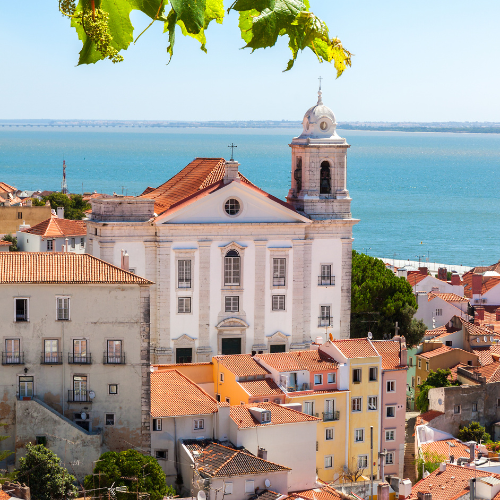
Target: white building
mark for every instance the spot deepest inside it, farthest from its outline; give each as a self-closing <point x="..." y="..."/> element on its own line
<point x="436" y="309"/>
<point x="237" y="270"/>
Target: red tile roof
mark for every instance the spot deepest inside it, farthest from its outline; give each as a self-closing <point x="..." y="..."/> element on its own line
<point x="491" y="371"/>
<point x="389" y="350"/>
<point x="355" y="348"/>
<point x="483" y="269"/>
<point x="52" y="267"/>
<point x="279" y="415"/>
<point x="447" y="297"/>
<point x="313" y="360"/>
<point x="487" y="283"/>
<point x="486" y="354"/>
<point x="323" y="493"/>
<point x="436" y="352"/>
<point x="58" y="228"/>
<point x="5" y="243"/>
<point x="457" y="448"/>
<point x="414" y="278"/>
<point x="6" y="188"/>
<point x="428" y="416"/>
<point x="173" y="394"/>
<point x="242" y="365"/>
<point x="266" y="387"/>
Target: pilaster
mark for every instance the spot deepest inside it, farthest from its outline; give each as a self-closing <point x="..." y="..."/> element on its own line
<point x="260" y="296"/>
<point x="145" y="368"/>
<point x="204" y="351"/>
<point x="161" y="340"/>
<point x="298" y="294"/>
<point x="150" y="273"/>
<point x="307" y="266"/>
<point x="345" y="295"/>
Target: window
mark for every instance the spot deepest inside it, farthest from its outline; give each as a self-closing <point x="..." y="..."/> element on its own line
<point x="72" y="242"/>
<point x="326" y="277"/>
<point x="249" y="486"/>
<point x="228" y="488"/>
<point x="427" y="366"/>
<point x="232" y="268"/>
<point x="82" y="242"/>
<point x="62" y="308"/>
<point x="79" y="355"/>
<point x="474" y="406"/>
<point x="418" y="380"/>
<point x="232" y="304"/>
<point x="19" y="215"/>
<point x="411" y="361"/>
<point x="373" y="374"/>
<point x="318" y="379"/>
<point x="390" y="411"/>
<point x="278" y="302"/>
<point x="112" y="388"/>
<point x="184" y="305"/>
<point x="469" y="363"/>
<point x="362" y="461"/>
<point x="221" y="378"/>
<point x="498" y="402"/>
<point x="390" y="435"/>
<point x="439" y="312"/>
<point x="328" y="462"/>
<point x="228" y="400"/>
<point x="110" y="419"/>
<point x="391" y="386"/>
<point x="161" y="454"/>
<point x="389" y="458"/>
<point x="279" y="267"/>
<point x="199" y="424"/>
<point x="359" y="435"/>
<point x="420" y="363"/>
<point x="372" y="403"/>
<point x="449" y="343"/>
<point x="12" y="354"/>
<point x="232" y="207"/>
<point x="308" y="408"/>
<point x="324" y="318"/>
<point x="329" y="434"/>
<point x="41" y="440"/>
<point x="325" y="181"/>
<point x="356" y="404"/>
<point x="21" y="309"/>
<point x="80" y="392"/>
<point x="332" y="378"/>
<point x="51" y="351"/>
<point x="413" y="381"/>
<point x="356" y="375"/>
<point x="457" y="409"/>
<point x="157" y="424"/>
<point x="50" y="245"/>
<point x="114" y="353"/>
<point x="183" y="274"/>
<point x="266" y="416"/>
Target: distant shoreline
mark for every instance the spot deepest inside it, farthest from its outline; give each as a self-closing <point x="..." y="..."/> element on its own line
<point x="451" y="127"/>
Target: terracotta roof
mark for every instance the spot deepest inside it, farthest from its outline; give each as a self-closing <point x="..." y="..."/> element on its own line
<point x="453" y="376"/>
<point x="491" y="371"/>
<point x="355" y="348"/>
<point x="436" y="331"/>
<point x="67" y="267"/>
<point x="436" y="352"/>
<point x="414" y="278"/>
<point x="476" y="329"/>
<point x="313" y="360"/>
<point x="428" y="416"/>
<point x="486" y="354"/>
<point x="487" y="283"/>
<point x="173" y="394"/>
<point x="323" y="493"/>
<point x="58" y="228"/>
<point x="389" y="350"/>
<point x="266" y="495"/>
<point x="458" y="449"/>
<point x="266" y="387"/>
<point x="279" y="415"/>
<point x="449" y="484"/>
<point x="4" y="496"/>
<point x="5" y="187"/>
<point x="5" y="243"/>
<point x="216" y="460"/>
<point x="242" y="365"/>
<point x="483" y="269"/>
<point x="447" y="297"/>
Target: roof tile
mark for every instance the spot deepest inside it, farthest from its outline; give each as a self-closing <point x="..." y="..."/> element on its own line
<point x="355" y="348"/>
<point x="242" y="365"/>
<point x="313" y="360"/>
<point x="58" y="228"/>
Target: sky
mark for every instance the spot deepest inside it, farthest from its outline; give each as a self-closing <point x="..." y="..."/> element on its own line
<point x="413" y="61"/>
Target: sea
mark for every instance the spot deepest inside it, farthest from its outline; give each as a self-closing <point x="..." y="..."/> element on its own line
<point x="418" y="196"/>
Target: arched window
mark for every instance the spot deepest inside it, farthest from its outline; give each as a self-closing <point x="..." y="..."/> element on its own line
<point x="297" y="175"/>
<point x="232" y="268"/>
<point x="325" y="182"/>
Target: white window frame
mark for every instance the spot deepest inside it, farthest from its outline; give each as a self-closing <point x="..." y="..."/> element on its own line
<point x="364" y="464"/>
<point x="320" y="375"/>
<point x="27" y="299"/>
<point x="186" y="307"/>
<point x="330" y="434"/>
<point x="389" y="433"/>
<point x="249" y="486"/>
<point x="279" y="271"/>
<point x="106" y="419"/>
<point x="199" y="424"/>
<point x="232" y="303"/>
<point x="186" y="283"/>
<point x="228" y="488"/>
<point x="157" y="424"/>
<point x="332" y="378"/>
<point x="426" y="366"/>
<point x="390" y="386"/>
<point x="387" y="409"/>
<point x="371" y="402"/>
<point x="360" y="375"/>
<point x="266" y="416"/>
<point x="370" y="374"/>
<point x="310" y="404"/>
<point x="389" y="461"/>
<point x="82" y="242"/>
<point x="474" y="407"/>
<point x="231" y="275"/>
<point x="419" y="363"/>
<point x="418" y="380"/>
<point x="278" y="303"/>
<point x="58" y="309"/>
<point x="50" y="247"/>
<point x="328" y="462"/>
<point x="439" y="312"/>
<point x="359" y="433"/>
<point x="109" y="389"/>
<point x="359" y="404"/>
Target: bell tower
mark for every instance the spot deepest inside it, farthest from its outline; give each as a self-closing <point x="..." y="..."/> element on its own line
<point x="319" y="167"/>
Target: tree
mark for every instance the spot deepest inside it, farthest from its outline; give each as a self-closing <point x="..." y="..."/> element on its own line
<point x="351" y="472"/>
<point x="74" y="206"/>
<point x="12" y="240"/>
<point x="129" y="468"/>
<point x="438" y="378"/>
<point x="42" y="471"/>
<point x="429" y="461"/>
<point x="104" y="26"/>
<point x="379" y="299"/>
<point x="475" y="432"/>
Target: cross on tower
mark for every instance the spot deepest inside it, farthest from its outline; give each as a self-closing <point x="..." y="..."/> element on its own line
<point x="232" y="146"/>
<point x="320" y="78"/>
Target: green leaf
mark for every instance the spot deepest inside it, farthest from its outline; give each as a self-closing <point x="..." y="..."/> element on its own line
<point x="150" y="7"/>
<point x="191" y="13"/>
<point x="258" y="5"/>
<point x="169" y="27"/>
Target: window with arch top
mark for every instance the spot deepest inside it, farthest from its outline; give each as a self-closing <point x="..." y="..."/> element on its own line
<point x="325" y="182"/>
<point x="232" y="268"/>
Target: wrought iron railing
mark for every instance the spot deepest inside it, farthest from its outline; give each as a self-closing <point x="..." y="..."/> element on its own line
<point x="12" y="358"/>
<point x="79" y="396"/>
<point x="79" y="359"/>
<point x="51" y="358"/>
<point x="113" y="359"/>
<point x="331" y="416"/>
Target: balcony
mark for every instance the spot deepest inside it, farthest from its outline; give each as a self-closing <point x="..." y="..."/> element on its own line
<point x="185" y="283"/>
<point x="79" y="359"/>
<point x="331" y="416"/>
<point x="51" y="358"/>
<point x="12" y="358"/>
<point x="113" y="359"/>
<point x="326" y="280"/>
<point x="278" y="281"/>
<point x="325" y="321"/>
<point x="80" y="396"/>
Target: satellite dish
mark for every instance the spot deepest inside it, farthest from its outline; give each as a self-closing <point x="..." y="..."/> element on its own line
<point x="267" y="483"/>
<point x="370" y="335"/>
<point x="91" y="394"/>
<point x="202" y="495"/>
<point x="485" y="338"/>
<point x="83" y="415"/>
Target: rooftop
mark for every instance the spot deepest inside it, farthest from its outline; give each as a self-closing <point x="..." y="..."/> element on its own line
<point x="242" y="365"/>
<point x="487" y="283"/>
<point x="389" y="350"/>
<point x="491" y="371"/>
<point x="67" y="267"/>
<point x="173" y="394"/>
<point x="436" y="352"/>
<point x="58" y="228"/>
<point x="355" y="348"/>
<point x="447" y="297"/>
<point x="487" y="354"/>
<point x="428" y="416"/>
<point x="324" y="493"/>
<point x="455" y="448"/>
<point x="313" y="360"/>
<point x="266" y="387"/>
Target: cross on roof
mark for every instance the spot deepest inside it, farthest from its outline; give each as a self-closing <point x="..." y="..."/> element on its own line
<point x="232" y="146"/>
<point x="320" y="78"/>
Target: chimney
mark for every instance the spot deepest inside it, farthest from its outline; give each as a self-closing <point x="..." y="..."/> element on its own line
<point x="423" y="271"/>
<point x="60" y="212"/>
<point x="262" y="453"/>
<point x="125" y="264"/>
<point x="442" y="466"/>
<point x="403" y="357"/>
<point x="442" y="273"/>
<point x="383" y="491"/>
<point x="424" y="495"/>
<point x="472" y="451"/>
<point x="477" y="284"/>
<point x="231" y="171"/>
<point x="479" y="313"/>
<point x="455" y="279"/>
<point x="66" y="245"/>
<point x="16" y="490"/>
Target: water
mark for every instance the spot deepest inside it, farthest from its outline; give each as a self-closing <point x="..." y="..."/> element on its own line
<point x="416" y="194"/>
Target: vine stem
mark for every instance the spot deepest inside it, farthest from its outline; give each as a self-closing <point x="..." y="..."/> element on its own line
<point x="92" y="3"/>
<point x="149" y="25"/>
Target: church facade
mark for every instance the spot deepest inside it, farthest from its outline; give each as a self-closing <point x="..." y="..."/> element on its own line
<point x="236" y="270"/>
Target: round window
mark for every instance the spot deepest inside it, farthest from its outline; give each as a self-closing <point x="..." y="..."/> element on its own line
<point x="323" y="125"/>
<point x="232" y="206"/>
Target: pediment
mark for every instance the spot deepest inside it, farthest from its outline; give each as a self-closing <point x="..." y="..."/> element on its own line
<point x="278" y="337"/>
<point x="232" y="323"/>
<point x="184" y="339"/>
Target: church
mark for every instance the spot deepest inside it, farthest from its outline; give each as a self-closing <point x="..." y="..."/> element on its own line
<point x="236" y="270"/>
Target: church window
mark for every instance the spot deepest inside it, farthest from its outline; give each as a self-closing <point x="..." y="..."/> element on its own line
<point x="232" y="304"/>
<point x="325" y="186"/>
<point x="184" y="305"/>
<point x="232" y="206"/>
<point x="184" y="273"/>
<point x="297" y="175"/>
<point x="279" y="267"/>
<point x="232" y="268"/>
<point x="278" y="302"/>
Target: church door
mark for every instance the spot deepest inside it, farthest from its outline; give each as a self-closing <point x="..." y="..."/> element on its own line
<point x="231" y="346"/>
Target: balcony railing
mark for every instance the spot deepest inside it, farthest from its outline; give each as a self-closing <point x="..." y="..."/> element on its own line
<point x="79" y="359"/>
<point x="51" y="358"/>
<point x="12" y="358"/>
<point x="185" y="283"/>
<point x="79" y="396"/>
<point x="326" y="280"/>
<point x="113" y="359"/>
<point x="278" y="281"/>
<point x="331" y="416"/>
<point x="325" y="321"/>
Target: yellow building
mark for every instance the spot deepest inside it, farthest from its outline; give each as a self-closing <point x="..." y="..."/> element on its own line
<point x="12" y="217"/>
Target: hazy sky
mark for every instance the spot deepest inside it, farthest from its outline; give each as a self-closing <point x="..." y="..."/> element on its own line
<point x="431" y="60"/>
